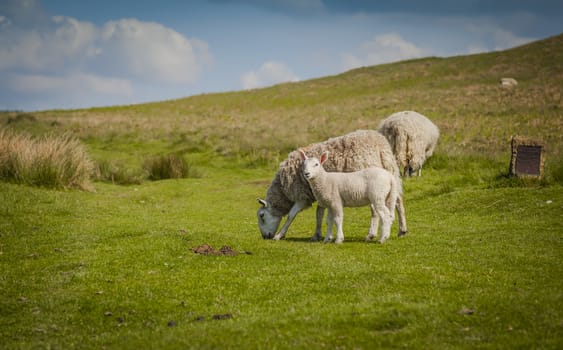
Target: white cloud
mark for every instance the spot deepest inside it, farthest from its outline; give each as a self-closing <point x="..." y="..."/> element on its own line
<point x="66" y="58"/>
<point x="80" y="83"/>
<point x="384" y="48"/>
<point x="153" y="52"/>
<point x="67" y="40"/>
<point x="505" y="39"/>
<point x="489" y="35"/>
<point x="269" y="73"/>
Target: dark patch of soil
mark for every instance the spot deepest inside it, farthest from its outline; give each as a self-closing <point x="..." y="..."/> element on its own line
<point x="222" y="317"/>
<point x="206" y="249"/>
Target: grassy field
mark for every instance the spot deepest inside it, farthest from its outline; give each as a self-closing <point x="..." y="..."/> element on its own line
<point x="115" y="268"/>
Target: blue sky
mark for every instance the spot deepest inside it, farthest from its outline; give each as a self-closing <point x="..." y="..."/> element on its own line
<point x="76" y="54"/>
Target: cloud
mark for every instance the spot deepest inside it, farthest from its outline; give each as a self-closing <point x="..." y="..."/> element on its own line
<point x="487" y="34"/>
<point x="384" y="48"/>
<point x="152" y="52"/>
<point x="59" y="56"/>
<point x="66" y="41"/>
<point x="80" y="83"/>
<point x="504" y="39"/>
<point x="269" y="73"/>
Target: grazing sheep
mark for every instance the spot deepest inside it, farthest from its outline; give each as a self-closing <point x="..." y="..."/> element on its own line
<point x="413" y="138"/>
<point x="290" y="193"/>
<point x="375" y="187"/>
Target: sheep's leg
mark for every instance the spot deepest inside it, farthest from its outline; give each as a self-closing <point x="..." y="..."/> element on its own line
<point x="329" y="224"/>
<point x="338" y="218"/>
<point x="386" y="221"/>
<point x="373" y="225"/>
<point x="297" y="207"/>
<point x="319" y="227"/>
<point x="401" y="214"/>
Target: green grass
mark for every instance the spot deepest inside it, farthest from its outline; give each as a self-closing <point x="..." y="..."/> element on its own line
<point x="114" y="269"/>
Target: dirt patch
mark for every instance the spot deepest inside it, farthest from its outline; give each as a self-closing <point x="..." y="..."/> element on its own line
<point x="206" y="249"/>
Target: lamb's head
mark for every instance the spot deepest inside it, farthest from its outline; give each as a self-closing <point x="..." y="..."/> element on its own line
<point x="267" y="222"/>
<point x="312" y="166"/>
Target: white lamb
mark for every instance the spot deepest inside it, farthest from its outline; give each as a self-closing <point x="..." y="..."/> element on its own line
<point x="376" y="187"/>
<point x="413" y="138"/>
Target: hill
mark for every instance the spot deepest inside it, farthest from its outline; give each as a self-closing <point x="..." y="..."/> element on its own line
<point x="461" y="94"/>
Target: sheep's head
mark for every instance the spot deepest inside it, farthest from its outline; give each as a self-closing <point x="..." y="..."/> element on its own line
<point x="312" y="166"/>
<point x="267" y="222"/>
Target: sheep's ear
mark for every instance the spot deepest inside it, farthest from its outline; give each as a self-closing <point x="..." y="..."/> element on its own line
<point x="303" y="155"/>
<point x="324" y="157"/>
<point x="263" y="202"/>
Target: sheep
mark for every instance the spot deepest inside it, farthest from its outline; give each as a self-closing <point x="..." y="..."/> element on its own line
<point x="290" y="193"/>
<point x="375" y="187"/>
<point x="413" y="138"/>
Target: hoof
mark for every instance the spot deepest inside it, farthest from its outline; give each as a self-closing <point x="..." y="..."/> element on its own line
<point x="402" y="233"/>
<point x="316" y="238"/>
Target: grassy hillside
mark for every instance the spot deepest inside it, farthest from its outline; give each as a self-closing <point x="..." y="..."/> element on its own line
<point x="115" y="268"/>
<point x="461" y="94"/>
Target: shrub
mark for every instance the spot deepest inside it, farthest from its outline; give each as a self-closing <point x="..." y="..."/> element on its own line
<point x="117" y="173"/>
<point x="49" y="161"/>
<point x="169" y="166"/>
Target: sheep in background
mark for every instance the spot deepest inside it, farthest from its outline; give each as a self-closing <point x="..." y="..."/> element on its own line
<point x="290" y="193"/>
<point x="412" y="137"/>
<point x="375" y="187"/>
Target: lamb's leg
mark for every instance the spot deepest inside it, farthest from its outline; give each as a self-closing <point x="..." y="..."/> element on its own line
<point x="338" y="218"/>
<point x="401" y="214"/>
<point x="319" y="227"/>
<point x="297" y="207"/>
<point x="329" y="224"/>
<point x="386" y="221"/>
<point x="374" y="224"/>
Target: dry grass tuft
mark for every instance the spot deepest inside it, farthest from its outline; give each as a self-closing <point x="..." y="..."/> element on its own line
<point x="169" y="166"/>
<point x="49" y="161"/>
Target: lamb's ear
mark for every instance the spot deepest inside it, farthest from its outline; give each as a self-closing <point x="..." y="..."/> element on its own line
<point x="263" y="202"/>
<point x="303" y="155"/>
<point x="324" y="157"/>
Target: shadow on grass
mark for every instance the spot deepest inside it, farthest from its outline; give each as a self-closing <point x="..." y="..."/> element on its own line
<point x="354" y="239"/>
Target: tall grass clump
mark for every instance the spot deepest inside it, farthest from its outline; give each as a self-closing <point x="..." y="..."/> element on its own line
<point x="117" y="173"/>
<point x="171" y="166"/>
<point x="49" y="161"/>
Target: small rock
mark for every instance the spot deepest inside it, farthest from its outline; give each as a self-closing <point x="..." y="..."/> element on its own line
<point x="108" y="313"/>
<point x="172" y="323"/>
<point x="466" y="311"/>
<point x="508" y="82"/>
